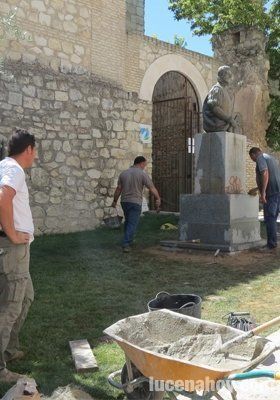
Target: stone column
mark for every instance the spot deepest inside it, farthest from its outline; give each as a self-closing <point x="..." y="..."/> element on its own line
<point x="220" y="215"/>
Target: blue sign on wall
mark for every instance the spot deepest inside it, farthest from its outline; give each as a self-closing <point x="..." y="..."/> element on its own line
<point x="145" y="133"/>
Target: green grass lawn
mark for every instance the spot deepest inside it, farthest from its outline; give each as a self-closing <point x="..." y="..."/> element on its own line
<point x="84" y="283"/>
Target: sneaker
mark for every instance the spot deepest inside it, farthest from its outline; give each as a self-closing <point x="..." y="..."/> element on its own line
<point x="7" y="376"/>
<point x="16" y="356"/>
<point x="126" y="249"/>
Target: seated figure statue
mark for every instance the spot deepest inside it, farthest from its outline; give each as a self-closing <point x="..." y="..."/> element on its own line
<point x="218" y="105"/>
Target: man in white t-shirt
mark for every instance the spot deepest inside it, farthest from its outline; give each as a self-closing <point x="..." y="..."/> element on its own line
<point x="16" y="234"/>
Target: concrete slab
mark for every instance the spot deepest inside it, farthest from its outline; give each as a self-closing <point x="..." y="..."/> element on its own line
<point x="183" y="245"/>
<point x="257" y="389"/>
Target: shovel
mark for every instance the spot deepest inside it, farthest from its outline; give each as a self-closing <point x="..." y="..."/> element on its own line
<point x="239" y="339"/>
<point x="218" y="348"/>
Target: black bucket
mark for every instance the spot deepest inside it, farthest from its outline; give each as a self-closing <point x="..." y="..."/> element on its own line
<point x="187" y="304"/>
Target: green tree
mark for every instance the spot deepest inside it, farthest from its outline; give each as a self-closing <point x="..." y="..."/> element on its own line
<point x="216" y="16"/>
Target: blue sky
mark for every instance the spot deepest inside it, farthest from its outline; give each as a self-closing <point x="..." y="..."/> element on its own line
<point x="160" y="21"/>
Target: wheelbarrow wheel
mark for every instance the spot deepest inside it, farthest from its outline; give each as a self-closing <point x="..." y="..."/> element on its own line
<point x="141" y="392"/>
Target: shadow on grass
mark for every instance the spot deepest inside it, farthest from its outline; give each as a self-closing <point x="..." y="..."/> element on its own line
<point x="83" y="283"/>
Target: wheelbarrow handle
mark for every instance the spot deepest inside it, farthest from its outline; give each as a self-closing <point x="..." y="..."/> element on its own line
<point x="255" y="374"/>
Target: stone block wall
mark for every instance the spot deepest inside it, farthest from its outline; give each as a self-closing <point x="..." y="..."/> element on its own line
<point x="105" y="38"/>
<point x="87" y="133"/>
<point x="60" y="31"/>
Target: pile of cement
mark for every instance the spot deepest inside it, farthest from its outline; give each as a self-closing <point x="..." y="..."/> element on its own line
<point x="187" y="340"/>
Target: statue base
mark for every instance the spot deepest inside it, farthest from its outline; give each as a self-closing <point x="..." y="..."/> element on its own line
<point x="219" y="221"/>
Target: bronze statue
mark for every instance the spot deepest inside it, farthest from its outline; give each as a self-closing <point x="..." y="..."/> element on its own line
<point x="218" y="105"/>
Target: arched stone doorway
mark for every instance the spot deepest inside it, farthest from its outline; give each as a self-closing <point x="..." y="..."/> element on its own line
<point x="175" y="121"/>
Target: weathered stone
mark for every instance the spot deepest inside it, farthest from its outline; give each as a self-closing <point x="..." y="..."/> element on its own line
<point x="46" y="144"/>
<point x="85" y="123"/>
<point x="40" y="40"/>
<point x="75" y="59"/>
<point x="38" y="80"/>
<point x="118" y="153"/>
<point x="75" y="94"/>
<point x="118" y="125"/>
<point x="38" y="212"/>
<point x="32" y="103"/>
<point x="39" y="177"/>
<point x="70" y="26"/>
<point x="44" y="19"/>
<point x="113" y="142"/>
<point x="15" y="99"/>
<point x="45" y="94"/>
<point x="94" y="174"/>
<point x="29" y="90"/>
<point x="96" y="133"/>
<point x="104" y="153"/>
<point x="60" y="157"/>
<point x="73" y="161"/>
<point x="87" y="144"/>
<point x="66" y="147"/>
<point x="100" y="143"/>
<point x="107" y="104"/>
<point x="38" y="5"/>
<point x="41" y="198"/>
<point x="61" y="96"/>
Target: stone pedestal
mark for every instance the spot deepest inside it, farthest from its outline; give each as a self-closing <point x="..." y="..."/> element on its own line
<point x="225" y="221"/>
<point x="219" y="215"/>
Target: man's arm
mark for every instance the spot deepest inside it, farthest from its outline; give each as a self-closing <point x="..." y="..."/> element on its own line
<point x="263" y="185"/>
<point x="117" y="195"/>
<point x="7" y="216"/>
<point x="154" y="191"/>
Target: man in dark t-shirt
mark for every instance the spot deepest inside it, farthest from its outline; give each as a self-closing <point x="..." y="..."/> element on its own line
<point x="130" y="187"/>
<point x="268" y="181"/>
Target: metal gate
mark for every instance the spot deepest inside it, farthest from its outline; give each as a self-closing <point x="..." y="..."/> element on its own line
<point x="176" y="120"/>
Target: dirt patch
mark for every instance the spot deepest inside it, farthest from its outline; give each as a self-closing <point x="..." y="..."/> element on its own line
<point x="240" y="260"/>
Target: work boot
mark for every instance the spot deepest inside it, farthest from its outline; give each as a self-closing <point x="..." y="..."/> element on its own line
<point x="126" y="249"/>
<point x="7" y="376"/>
<point x="18" y="355"/>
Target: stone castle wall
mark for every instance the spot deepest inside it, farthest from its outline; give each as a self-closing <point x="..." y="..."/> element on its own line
<point x="84" y="35"/>
<point x="76" y="87"/>
<point x="87" y="132"/>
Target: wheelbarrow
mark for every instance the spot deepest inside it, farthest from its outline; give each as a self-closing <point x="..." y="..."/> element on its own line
<point x="151" y="370"/>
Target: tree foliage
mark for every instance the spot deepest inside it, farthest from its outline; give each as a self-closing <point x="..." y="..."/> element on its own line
<point x="216" y="16"/>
